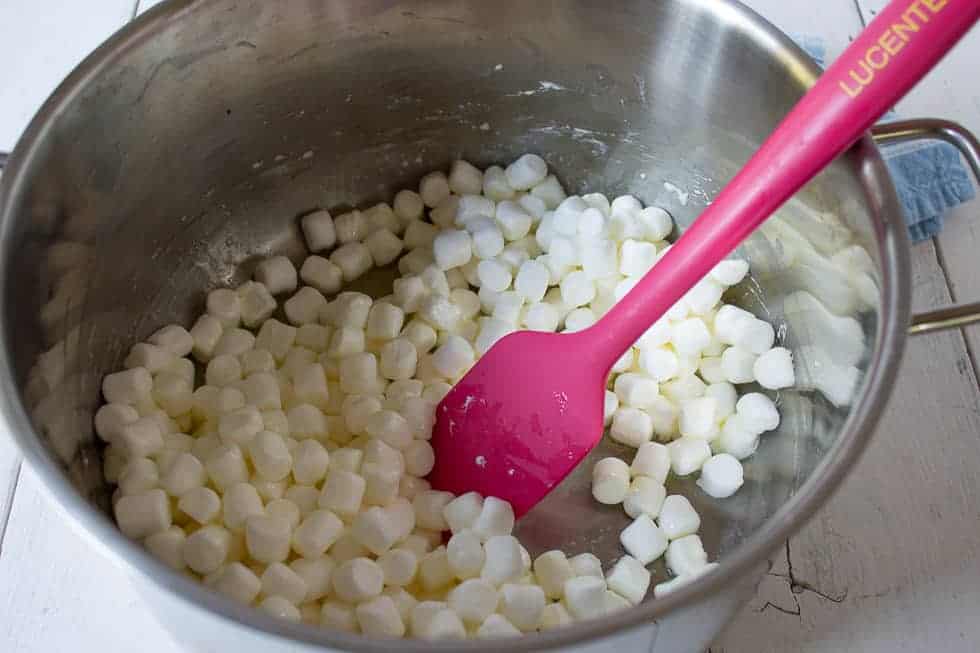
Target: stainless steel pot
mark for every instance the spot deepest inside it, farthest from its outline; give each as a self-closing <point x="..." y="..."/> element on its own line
<point x="186" y="146"/>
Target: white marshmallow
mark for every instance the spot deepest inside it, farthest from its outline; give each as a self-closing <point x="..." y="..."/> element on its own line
<point x="277" y="274"/>
<point x="304" y="307"/>
<point x="139" y="515"/>
<point x="599" y="258"/>
<point x="225" y="305"/>
<point x="586" y="564"/>
<point x="237" y="582"/>
<point x="358" y="580"/>
<point x="110" y="418"/>
<point x="184" y="474"/>
<point x="488" y="241"/>
<point x="374" y="530"/>
<point x="644" y="540"/>
<point x="384" y="246"/>
<point x="206" y="549"/>
<point x="725" y="396"/>
<point x="379" y="617"/>
<point x="318" y="230"/>
<point x="630" y="579"/>
<point x="491" y="330"/>
<point x="636" y="257"/>
<point x="389" y="427"/>
<point x="753" y="335"/>
<point x="684" y="387"/>
<point x="550" y="191"/>
<point x="280" y="580"/>
<point x="434" y="188"/>
<point x="690" y="336"/>
<point x="687" y="454"/>
<point x="201" y="504"/>
<point x="342" y="492"/>
<point x="729" y="321"/>
<point x="399" y="359"/>
<point x="730" y="272"/>
<point x="541" y="316"/>
<point x="132" y="386"/>
<point x="434" y="571"/>
<point x="353" y="259"/>
<point x="635" y="390"/>
<point x="240" y="501"/>
<point x="610" y="481"/>
<point x="408" y="205"/>
<point x="461" y="513"/>
<point x="316" y="573"/>
<point x="399" y="566"/>
<point x="440" y="312"/>
<point x="774" y="369"/>
<point x="515" y="222"/>
<point x="585" y="596"/>
<point x="532" y="281"/>
<point x="338" y="616"/>
<point x="280" y="607"/>
<point x="721" y="476"/>
<point x="257" y="303"/>
<point x="527" y="171"/>
<point x="631" y="426"/>
<point x="522" y="605"/>
<point x="503" y="560"/>
<point x="494" y="275"/>
<point x="496" y="518"/>
<point x="140" y="439"/>
<point x="645" y="497"/>
<point x="496" y="185"/>
<point x="453" y="358"/>
<point x="452" y="248"/>
<point x="738" y="437"/>
<point x="380" y="217"/>
<point x="657" y="223"/>
<point x="757" y="412"/>
<point x="555" y="615"/>
<point x="240" y="426"/>
<point x="699" y="418"/>
<point x="429" y="508"/>
<point x="234" y="342"/>
<point x="738" y="364"/>
<point x="686" y="556"/>
<point x="419" y="234"/>
<point x="678" y="517"/>
<point x="359" y="374"/>
<point x="496" y="626"/>
<point x="577" y="289"/>
<point x="464" y="554"/>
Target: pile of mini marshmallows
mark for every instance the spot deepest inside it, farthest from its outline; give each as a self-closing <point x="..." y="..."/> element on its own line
<point x="292" y="479"/>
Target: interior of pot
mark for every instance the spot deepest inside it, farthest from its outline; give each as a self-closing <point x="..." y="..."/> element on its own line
<point x="195" y="148"/>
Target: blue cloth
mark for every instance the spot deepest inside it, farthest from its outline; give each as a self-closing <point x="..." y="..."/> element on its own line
<point x="929" y="176"/>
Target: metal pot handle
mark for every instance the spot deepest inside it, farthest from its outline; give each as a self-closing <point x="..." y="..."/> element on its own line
<point x="955" y="134"/>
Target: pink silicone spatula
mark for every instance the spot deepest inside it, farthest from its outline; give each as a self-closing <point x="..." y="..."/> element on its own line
<point x="532" y="406"/>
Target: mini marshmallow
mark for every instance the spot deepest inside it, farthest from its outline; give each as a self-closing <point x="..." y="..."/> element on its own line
<point x="599" y="259"/>
<point x="384" y="321"/>
<point x="522" y="605"/>
<point x="635" y="390"/>
<point x="453" y="358"/>
<point x="586" y="564"/>
<point x="318" y="230"/>
<point x="384" y="246"/>
<point x="774" y="369"/>
<point x="474" y="600"/>
<point x="494" y="275"/>
<point x="495" y="184"/>
<point x="140" y="439"/>
<point x="690" y="336"/>
<point x="429" y="508"/>
<point x="257" y="303"/>
<point x="316" y="573"/>
<point x="358" y="580"/>
<point x="280" y="580"/>
<point x="420" y="235"/>
<point x="389" y="427"/>
<point x="345" y="342"/>
<point x="645" y="497"/>
<point x="131" y="386"/>
<point x="514" y="220"/>
<point x="434" y="571"/>
<point x="277" y="274"/>
<point x="464" y="553"/>
<point x="342" y="492"/>
<point x="549" y="190"/>
<point x="207" y="548"/>
<point x="644" y="540"/>
<point x="240" y="501"/>
<point x="738" y="437"/>
<point x="380" y="217"/>
<point x="631" y="426"/>
<point x="496" y="518"/>
<point x="374" y="530"/>
<point x="610" y="481"/>
<point x="585" y="596"/>
<point x="462" y="512"/>
<point x="730" y="272"/>
<point x="357" y="409"/>
<point x="687" y="454"/>
<point x="184" y="474"/>
<point x="721" y="476"/>
<point x="240" y="426"/>
<point x="656" y="222"/>
<point x="491" y="330"/>
<point x="686" y="556"/>
<point x="359" y="374"/>
<point x="757" y="412"/>
<point x="110" y="418"/>
<point x="503" y="560"/>
<point x="660" y="363"/>
<point x="725" y="396"/>
<point x="527" y="172"/>
<point x="225" y="305"/>
<point x="699" y="418"/>
<point x="304" y="307"/>
<point x="434" y="188"/>
<point x="338" y="616"/>
<point x="636" y="257"/>
<point x="729" y="321"/>
<point x="552" y="569"/>
<point x="452" y="248"/>
<point x="488" y="241"/>
<point x="497" y="626"/>
<point x="683" y="388"/>
<point x="678" y="517"/>
<point x="630" y="579"/>
<point x="352" y="226"/>
<point x="609" y="406"/>
<point x="579" y="319"/>
<point x="577" y="289"/>
<point x="138" y="475"/>
<point x="439" y="312"/>
<point x="738" y="365"/>
<point x="507" y="307"/>
<point x="541" y="317"/>
<point x="280" y="607"/>
<point x="353" y="259"/>
<point x="399" y="566"/>
<point x="351" y="309"/>
<point x="200" y="504"/>
<point x="532" y="281"/>
<point x="237" y="582"/>
<point x="419" y="458"/>
<point x="139" y="515"/>
<point x="151" y="357"/>
<point x="223" y="370"/>
<point x="379" y="617"/>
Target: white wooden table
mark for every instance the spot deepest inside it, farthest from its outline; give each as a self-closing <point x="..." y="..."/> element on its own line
<point x="892" y="563"/>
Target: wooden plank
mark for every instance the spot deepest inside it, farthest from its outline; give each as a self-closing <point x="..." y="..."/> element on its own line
<point x="39" y="47"/>
<point x="950" y="91"/>
<point x="892" y="562"/>
<point x="60" y="594"/>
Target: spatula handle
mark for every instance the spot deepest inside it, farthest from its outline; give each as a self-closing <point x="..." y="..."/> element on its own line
<point x="888" y="58"/>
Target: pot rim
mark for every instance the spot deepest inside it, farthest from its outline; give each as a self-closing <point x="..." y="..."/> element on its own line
<point x="855" y="434"/>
